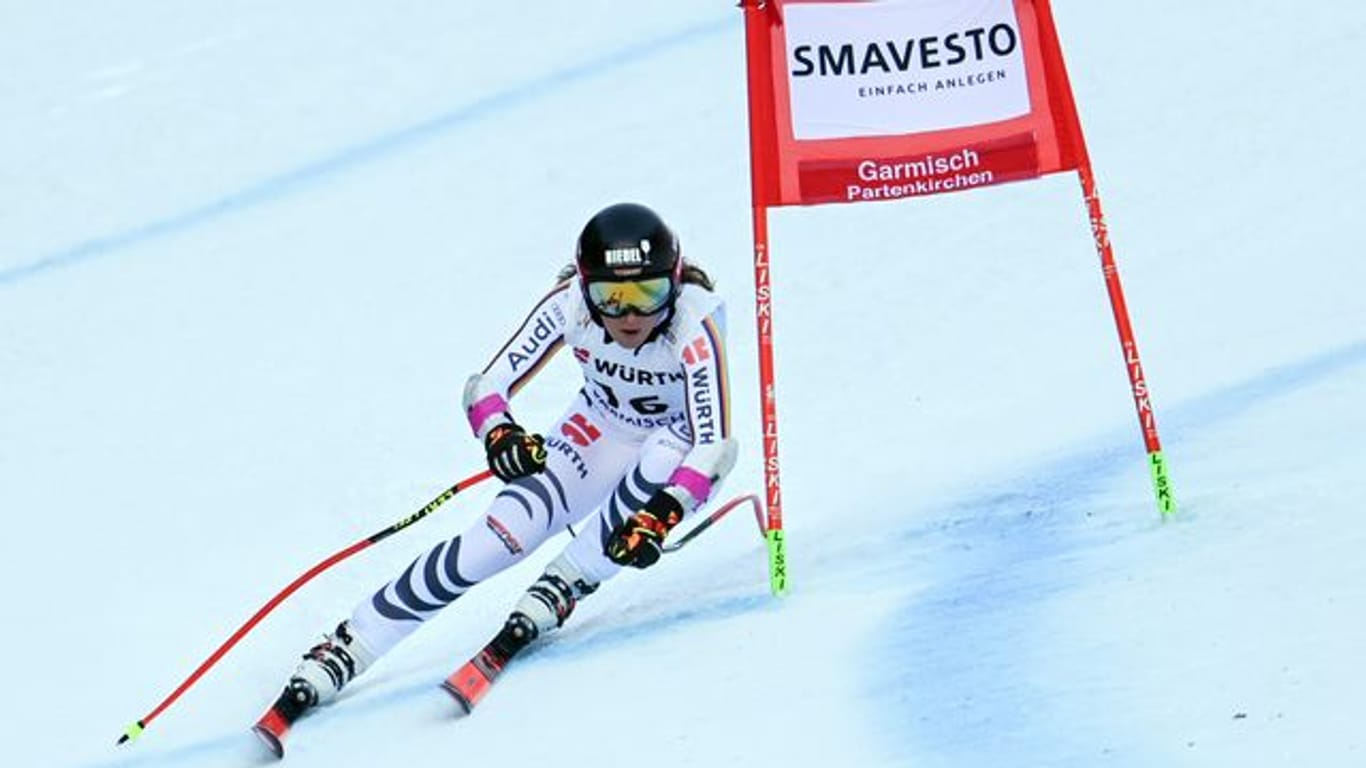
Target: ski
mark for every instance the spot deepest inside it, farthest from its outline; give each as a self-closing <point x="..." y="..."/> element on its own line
<point x="281" y="716"/>
<point x="469" y="684"/>
<point x="472" y="680"/>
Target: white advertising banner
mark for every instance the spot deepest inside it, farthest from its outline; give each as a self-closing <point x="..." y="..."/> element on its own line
<point x="892" y="67"/>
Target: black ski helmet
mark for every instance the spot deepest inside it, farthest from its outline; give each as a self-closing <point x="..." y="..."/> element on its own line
<point x="626" y="241"/>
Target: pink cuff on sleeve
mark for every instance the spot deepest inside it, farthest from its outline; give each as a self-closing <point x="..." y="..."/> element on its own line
<point x="481" y="411"/>
<point x="696" y="483"/>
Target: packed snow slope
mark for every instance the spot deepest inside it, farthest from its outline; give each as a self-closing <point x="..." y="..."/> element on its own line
<point x="249" y="253"/>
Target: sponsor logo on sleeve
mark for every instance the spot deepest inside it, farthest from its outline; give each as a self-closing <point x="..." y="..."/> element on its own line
<point x="697" y="351"/>
<point x="702" y="393"/>
<point x="532" y="342"/>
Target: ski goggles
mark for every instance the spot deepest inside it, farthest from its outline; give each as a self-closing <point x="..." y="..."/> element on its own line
<point x="644" y="297"/>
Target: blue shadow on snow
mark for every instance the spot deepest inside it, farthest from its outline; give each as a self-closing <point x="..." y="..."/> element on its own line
<point x="957" y="696"/>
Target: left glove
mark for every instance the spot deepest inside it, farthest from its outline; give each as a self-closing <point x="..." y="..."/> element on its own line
<point x="512" y="453"/>
<point x="639" y="540"/>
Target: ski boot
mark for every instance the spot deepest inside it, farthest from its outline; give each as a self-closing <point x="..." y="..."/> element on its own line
<point x="543" y="607"/>
<point x="324" y="671"/>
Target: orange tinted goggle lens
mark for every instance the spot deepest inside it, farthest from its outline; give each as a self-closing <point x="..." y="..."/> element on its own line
<point x="644" y="297"/>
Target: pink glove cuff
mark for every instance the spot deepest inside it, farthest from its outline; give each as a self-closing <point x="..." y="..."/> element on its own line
<point x="696" y="483"/>
<point x="480" y="412"/>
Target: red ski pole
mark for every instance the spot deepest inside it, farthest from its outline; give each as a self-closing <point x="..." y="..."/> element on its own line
<point x="135" y="730"/>
<point x="711" y="519"/>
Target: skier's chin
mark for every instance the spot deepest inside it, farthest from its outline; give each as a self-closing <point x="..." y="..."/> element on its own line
<point x="630" y="331"/>
<point x="629" y="339"/>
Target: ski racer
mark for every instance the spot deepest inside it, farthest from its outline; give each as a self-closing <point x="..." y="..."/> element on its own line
<point x="642" y="445"/>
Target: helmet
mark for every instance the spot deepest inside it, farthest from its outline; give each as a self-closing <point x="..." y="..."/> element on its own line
<point x="628" y="260"/>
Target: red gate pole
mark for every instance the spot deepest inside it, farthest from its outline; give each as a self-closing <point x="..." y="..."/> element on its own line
<point x="763" y="158"/>
<point x="1147" y="421"/>
<point x="1066" y="113"/>
<point x="763" y="313"/>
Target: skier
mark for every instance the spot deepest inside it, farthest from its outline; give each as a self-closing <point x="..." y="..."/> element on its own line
<point x="643" y="443"/>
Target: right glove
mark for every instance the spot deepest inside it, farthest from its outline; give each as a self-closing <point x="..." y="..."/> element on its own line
<point x="639" y="540"/>
<point x="513" y="453"/>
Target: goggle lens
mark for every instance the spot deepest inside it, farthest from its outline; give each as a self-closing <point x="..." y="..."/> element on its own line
<point x="644" y="297"/>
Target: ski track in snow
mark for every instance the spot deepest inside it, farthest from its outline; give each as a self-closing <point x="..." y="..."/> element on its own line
<point x="295" y="180"/>
<point x="1018" y="524"/>
<point x="362" y="702"/>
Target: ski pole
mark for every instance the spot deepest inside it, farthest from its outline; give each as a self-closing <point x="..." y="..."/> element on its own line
<point x="135" y="730"/>
<point x="711" y="519"/>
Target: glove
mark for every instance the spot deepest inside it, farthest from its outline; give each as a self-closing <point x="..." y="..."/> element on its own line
<point x="512" y="453"/>
<point x="639" y="540"/>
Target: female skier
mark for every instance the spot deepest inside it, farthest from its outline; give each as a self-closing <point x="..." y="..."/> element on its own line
<point x="643" y="443"/>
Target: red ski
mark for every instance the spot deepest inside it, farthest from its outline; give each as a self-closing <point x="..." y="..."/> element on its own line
<point x="277" y="720"/>
<point x="469" y="683"/>
<point x="271" y="729"/>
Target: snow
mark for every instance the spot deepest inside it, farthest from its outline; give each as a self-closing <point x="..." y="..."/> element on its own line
<point x="251" y="251"/>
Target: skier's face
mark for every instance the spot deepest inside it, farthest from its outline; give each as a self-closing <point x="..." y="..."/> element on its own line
<point x="630" y="331"/>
